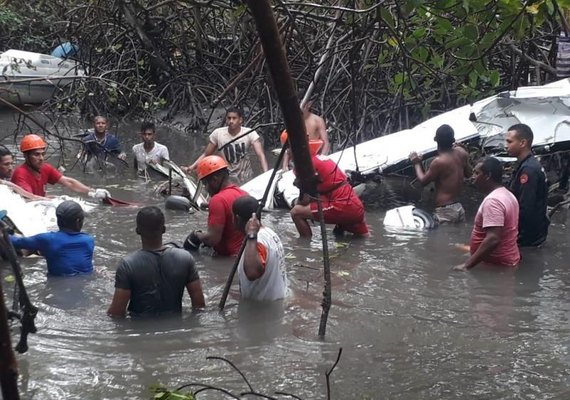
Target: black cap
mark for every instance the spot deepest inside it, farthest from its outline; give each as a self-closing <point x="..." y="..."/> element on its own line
<point x="68" y="211"/>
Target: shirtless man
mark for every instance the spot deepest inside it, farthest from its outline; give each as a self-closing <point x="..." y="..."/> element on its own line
<point x="316" y="130"/>
<point x="447" y="171"/>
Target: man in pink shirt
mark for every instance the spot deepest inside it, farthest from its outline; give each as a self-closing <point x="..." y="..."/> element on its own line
<point x="495" y="231"/>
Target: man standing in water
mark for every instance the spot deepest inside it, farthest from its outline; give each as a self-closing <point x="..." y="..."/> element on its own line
<point x="528" y="184"/>
<point x="316" y="130"/>
<point x="151" y="281"/>
<point x="261" y="269"/>
<point x="6" y="170"/>
<point x="33" y="175"/>
<point x="68" y="251"/>
<point x="149" y="151"/>
<point x="447" y="171"/>
<point x="99" y="142"/>
<point x="494" y="235"/>
<point x="222" y="234"/>
<point x="233" y="141"/>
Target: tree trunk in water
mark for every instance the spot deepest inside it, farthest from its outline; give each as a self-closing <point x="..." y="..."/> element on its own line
<point x="281" y="76"/>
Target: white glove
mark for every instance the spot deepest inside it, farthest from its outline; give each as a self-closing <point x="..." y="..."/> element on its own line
<point x="99" y="194"/>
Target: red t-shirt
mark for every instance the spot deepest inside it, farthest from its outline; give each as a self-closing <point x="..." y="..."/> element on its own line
<point x="220" y="213"/>
<point x="341" y="205"/>
<point x="33" y="182"/>
<point x="499" y="209"/>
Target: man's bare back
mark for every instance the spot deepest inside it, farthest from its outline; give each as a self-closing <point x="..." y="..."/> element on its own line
<point x="450" y="169"/>
<point x="316" y="129"/>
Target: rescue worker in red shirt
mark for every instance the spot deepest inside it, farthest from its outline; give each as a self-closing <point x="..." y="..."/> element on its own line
<point x="341" y="205"/>
<point x="34" y="173"/>
<point x="222" y="234"/>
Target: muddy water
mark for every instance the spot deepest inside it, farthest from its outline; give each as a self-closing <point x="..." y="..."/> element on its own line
<point x="408" y="326"/>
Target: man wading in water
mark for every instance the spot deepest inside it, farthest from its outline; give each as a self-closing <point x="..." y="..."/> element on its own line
<point x="447" y="171"/>
<point x="151" y="281"/>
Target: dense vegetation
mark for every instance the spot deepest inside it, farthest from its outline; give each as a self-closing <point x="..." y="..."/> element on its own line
<point x="392" y="63"/>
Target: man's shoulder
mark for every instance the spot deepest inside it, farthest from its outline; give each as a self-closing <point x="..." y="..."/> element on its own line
<point x="138" y="147"/>
<point x="20" y="169"/>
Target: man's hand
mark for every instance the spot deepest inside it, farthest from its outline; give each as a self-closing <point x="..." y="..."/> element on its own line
<point x="189" y="168"/>
<point x="253" y="225"/>
<point x="192" y="242"/>
<point x="460" y="267"/>
<point x="99" y="194"/>
<point x="415" y="157"/>
<point x="122" y="156"/>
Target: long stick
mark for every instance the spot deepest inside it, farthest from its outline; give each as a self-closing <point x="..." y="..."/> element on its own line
<point x="8" y="366"/>
<point x="327" y="296"/>
<point x="258" y="214"/>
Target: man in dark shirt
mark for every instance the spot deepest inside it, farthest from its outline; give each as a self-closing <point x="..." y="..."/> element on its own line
<point x="152" y="280"/>
<point x="528" y="184"/>
<point x="99" y="142"/>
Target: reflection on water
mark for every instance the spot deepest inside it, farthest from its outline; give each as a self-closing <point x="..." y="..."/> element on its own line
<point x="410" y="328"/>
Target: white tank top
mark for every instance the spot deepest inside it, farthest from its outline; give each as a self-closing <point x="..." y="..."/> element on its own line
<point x="272" y="285"/>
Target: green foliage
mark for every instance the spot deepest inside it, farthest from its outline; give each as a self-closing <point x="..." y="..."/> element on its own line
<point x="162" y="393"/>
<point x="398" y="61"/>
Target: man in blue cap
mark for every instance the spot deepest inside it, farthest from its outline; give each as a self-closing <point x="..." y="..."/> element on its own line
<point x="68" y="251"/>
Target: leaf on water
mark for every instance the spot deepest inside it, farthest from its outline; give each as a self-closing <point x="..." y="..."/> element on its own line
<point x="9" y="279"/>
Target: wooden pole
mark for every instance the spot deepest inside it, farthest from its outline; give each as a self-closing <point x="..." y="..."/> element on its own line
<point x="286" y="93"/>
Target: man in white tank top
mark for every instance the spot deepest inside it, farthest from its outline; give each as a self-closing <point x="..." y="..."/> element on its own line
<point x="261" y="269"/>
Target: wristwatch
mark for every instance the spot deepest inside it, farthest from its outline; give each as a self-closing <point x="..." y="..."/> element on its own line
<point x="252" y="236"/>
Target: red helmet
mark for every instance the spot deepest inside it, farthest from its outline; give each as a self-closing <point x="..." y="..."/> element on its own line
<point x="210" y="164"/>
<point x="32" y="142"/>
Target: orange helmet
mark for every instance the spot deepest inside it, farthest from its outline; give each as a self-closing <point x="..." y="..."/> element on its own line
<point x="284" y="136"/>
<point x="210" y="164"/>
<point x="32" y="142"/>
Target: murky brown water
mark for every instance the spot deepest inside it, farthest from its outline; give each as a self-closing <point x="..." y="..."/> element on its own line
<point x="409" y="327"/>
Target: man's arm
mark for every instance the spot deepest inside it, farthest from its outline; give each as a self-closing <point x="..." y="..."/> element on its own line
<point x="255" y="254"/>
<point x="492" y="239"/>
<point x="194" y="289"/>
<point x="210" y="149"/>
<point x="432" y="172"/>
<point x="286" y="161"/>
<point x="528" y="184"/>
<point x="22" y="192"/>
<point x="258" y="148"/>
<point x="118" y="307"/>
<point x="74" y="185"/>
<point x="321" y="128"/>
<point x="213" y="236"/>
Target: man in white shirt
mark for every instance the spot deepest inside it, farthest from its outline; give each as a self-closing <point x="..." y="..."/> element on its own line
<point x="149" y="151"/>
<point x="261" y="269"/>
<point x="234" y="142"/>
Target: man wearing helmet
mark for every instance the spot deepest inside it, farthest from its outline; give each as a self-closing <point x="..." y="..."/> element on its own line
<point x="222" y="233"/>
<point x="341" y="205"/>
<point x="6" y="170"/>
<point x="34" y="173"/>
